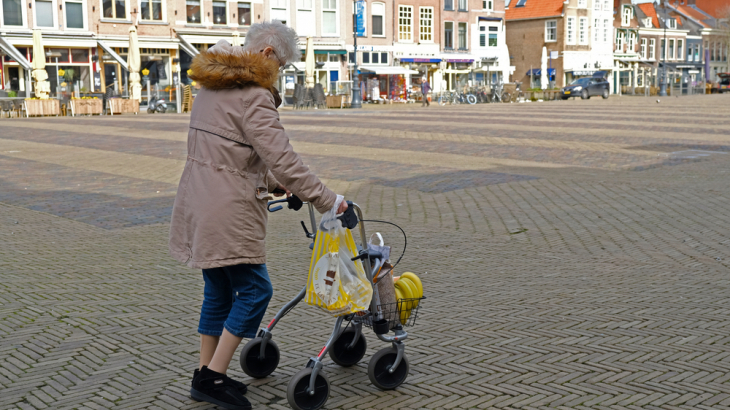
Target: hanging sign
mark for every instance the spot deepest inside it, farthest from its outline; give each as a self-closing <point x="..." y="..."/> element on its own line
<point x="360" y="17"/>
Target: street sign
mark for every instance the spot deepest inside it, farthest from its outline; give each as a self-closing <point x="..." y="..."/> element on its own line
<point x="360" y="17"/>
<point x="175" y="79"/>
<point x="554" y="55"/>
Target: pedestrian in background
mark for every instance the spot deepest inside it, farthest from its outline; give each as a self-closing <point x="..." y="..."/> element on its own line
<point x="238" y="153"/>
<point x="425" y="89"/>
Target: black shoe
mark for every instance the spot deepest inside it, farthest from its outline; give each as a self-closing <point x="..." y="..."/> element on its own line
<point x="217" y="388"/>
<point x="238" y="385"/>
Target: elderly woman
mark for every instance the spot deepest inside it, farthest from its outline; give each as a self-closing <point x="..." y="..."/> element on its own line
<point x="238" y="153"/>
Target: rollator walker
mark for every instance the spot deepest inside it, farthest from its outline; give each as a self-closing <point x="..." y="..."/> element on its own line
<point x="388" y="368"/>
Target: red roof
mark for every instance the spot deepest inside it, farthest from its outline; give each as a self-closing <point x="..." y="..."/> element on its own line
<point x="693" y="14"/>
<point x="715" y="8"/>
<point x="534" y="9"/>
<point x="648" y="9"/>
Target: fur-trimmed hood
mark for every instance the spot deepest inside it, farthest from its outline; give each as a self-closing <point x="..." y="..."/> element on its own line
<point x="224" y="66"/>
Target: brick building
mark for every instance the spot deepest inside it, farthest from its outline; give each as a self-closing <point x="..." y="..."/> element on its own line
<point x="576" y="33"/>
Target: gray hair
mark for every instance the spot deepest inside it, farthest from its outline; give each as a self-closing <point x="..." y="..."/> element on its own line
<point x="283" y="39"/>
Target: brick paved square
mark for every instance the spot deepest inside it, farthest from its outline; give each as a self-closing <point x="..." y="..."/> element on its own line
<point x="574" y="255"/>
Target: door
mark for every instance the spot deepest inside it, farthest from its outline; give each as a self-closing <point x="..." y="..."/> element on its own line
<point x="110" y="76"/>
<point x="14" y="78"/>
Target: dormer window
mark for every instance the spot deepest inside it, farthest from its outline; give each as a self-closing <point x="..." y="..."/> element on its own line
<point x="647" y="22"/>
<point x="626" y="16"/>
<point x="672" y="24"/>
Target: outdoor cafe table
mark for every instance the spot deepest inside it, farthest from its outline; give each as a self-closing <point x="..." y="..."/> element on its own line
<point x="42" y="107"/>
<point x="82" y="107"/>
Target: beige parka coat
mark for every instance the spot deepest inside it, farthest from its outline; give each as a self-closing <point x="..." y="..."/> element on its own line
<point x="237" y="153"/>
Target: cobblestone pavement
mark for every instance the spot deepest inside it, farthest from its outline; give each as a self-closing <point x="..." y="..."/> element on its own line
<point x="574" y="255"/>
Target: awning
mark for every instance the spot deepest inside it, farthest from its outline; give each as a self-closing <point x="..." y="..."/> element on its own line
<point x="388" y="70"/>
<point x="187" y="47"/>
<point x="420" y="60"/>
<point x="327" y="51"/>
<point x="459" y="60"/>
<point x="496" y="68"/>
<point x="481" y="18"/>
<point x="114" y="55"/>
<point x="538" y="71"/>
<point x="452" y="71"/>
<point x="13" y="52"/>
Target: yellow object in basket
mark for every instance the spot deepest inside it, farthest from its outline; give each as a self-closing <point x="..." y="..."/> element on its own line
<point x="403" y="314"/>
<point x="412" y="276"/>
<point x="408" y="290"/>
<point x="414" y="294"/>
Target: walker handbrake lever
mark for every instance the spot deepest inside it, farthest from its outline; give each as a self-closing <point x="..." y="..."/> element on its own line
<point x="293" y="202"/>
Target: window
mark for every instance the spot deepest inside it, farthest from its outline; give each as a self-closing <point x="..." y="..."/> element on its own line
<point x="605" y="31"/>
<point x="606" y="6"/>
<point x="80" y="55"/>
<point x="244" y="14"/>
<point x="488" y="5"/>
<point x="626" y="16"/>
<point x="329" y="17"/>
<point x="642" y="51"/>
<point x="671" y="49"/>
<point x="193" y="11"/>
<point x="672" y="23"/>
<point x="117" y="9"/>
<point x="652" y="49"/>
<point x="597" y="5"/>
<point x="44" y="13"/>
<point x="75" y="13"/>
<point x="619" y="41"/>
<point x="462" y="36"/>
<point x="151" y="10"/>
<point x="279" y="10"/>
<point x="448" y="35"/>
<point x="463" y="5"/>
<point x="351" y="57"/>
<point x="521" y="3"/>
<point x="448" y="5"/>
<point x="482" y="36"/>
<point x="425" y="27"/>
<point x="366" y="58"/>
<point x="12" y="13"/>
<point x="680" y="49"/>
<point x="663" y="50"/>
<point x="378" y="12"/>
<point x="305" y="18"/>
<point x="405" y="23"/>
<point x="219" y="12"/>
<point x="551" y="30"/>
<point x="493" y="36"/>
<point x="582" y="4"/>
<point x="596" y="29"/>
<point x="582" y="30"/>
<point x="632" y="42"/>
<point x="647" y="22"/>
<point x="571" y="30"/>
<point x="697" y="53"/>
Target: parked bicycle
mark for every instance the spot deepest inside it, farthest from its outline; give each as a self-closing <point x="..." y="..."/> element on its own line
<point x="455" y="97"/>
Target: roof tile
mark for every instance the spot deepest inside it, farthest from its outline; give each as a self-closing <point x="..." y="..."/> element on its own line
<point x="535" y="9"/>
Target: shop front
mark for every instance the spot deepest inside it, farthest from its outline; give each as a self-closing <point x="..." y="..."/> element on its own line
<point x="385" y="83"/>
<point x="420" y="68"/>
<point x="458" y="73"/>
<point x="156" y="69"/>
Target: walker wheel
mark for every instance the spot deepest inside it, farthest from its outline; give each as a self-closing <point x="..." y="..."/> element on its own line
<point x="255" y="367"/>
<point x="342" y="354"/>
<point x="299" y="398"/>
<point x="378" y="369"/>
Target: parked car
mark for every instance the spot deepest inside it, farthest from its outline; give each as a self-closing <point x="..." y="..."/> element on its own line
<point x="586" y="87"/>
<point x="723" y="86"/>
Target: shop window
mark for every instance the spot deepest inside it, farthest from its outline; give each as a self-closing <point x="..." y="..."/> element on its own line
<point x="571" y="30"/>
<point x="219" y="12"/>
<point x="305" y="18"/>
<point x="378" y="15"/>
<point x="80" y="55"/>
<point x="44" y="13"/>
<point x="244" y="14"/>
<point x="329" y="17"/>
<point x="448" y="35"/>
<point x="75" y="14"/>
<point x="449" y="5"/>
<point x="193" y="11"/>
<point x="64" y="58"/>
<point x="151" y="10"/>
<point x="383" y="58"/>
<point x="426" y="24"/>
<point x="279" y="10"/>
<point x="463" y="5"/>
<point x="462" y="36"/>
<point x="114" y="9"/>
<point x="405" y="23"/>
<point x="551" y="30"/>
<point x="12" y="13"/>
<point x="493" y="36"/>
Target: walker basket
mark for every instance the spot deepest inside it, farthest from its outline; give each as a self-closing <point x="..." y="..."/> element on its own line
<point x="404" y="312"/>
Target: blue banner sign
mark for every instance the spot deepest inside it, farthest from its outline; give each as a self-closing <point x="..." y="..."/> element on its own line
<point x="360" y="17"/>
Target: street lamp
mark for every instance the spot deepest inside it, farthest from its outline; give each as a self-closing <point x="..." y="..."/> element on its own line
<point x="663" y="78"/>
<point x="356" y="98"/>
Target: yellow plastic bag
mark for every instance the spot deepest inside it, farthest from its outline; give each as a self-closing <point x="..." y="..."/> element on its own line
<point x="337" y="284"/>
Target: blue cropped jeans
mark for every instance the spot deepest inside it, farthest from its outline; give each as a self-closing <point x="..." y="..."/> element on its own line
<point x="235" y="298"/>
